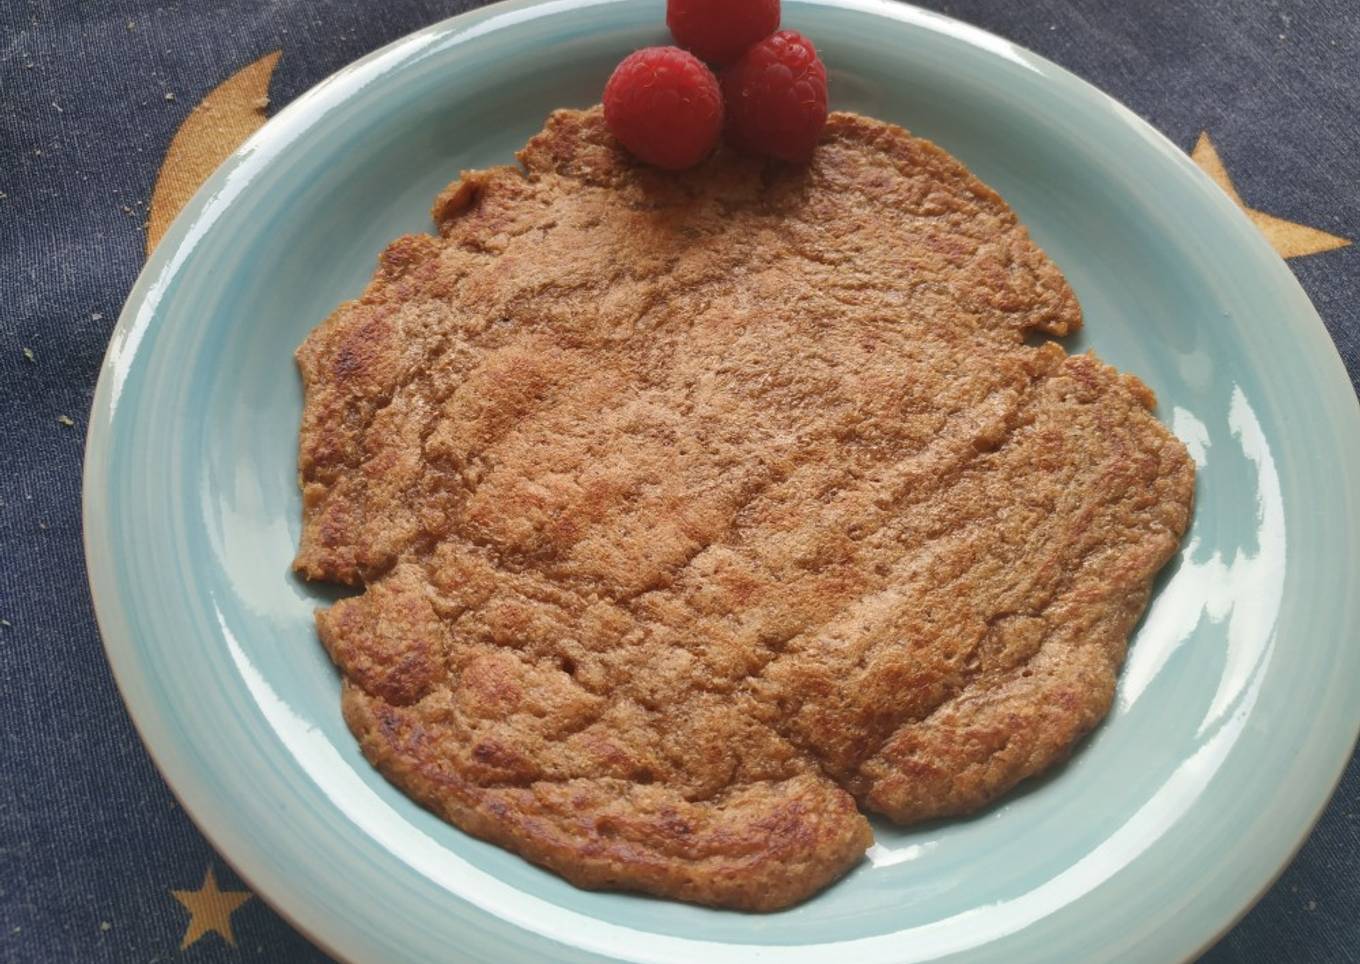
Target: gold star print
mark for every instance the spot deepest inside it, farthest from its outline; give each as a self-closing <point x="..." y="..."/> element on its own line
<point x="1289" y="239"/>
<point x="209" y="909"/>
<point x="231" y="112"/>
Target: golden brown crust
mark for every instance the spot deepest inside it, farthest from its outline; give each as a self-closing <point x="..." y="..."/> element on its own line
<point x="757" y="846"/>
<point x="685" y="504"/>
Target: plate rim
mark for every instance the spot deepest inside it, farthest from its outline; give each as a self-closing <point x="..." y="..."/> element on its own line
<point x="120" y="650"/>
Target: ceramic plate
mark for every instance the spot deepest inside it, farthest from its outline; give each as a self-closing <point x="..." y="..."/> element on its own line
<point x="1235" y="713"/>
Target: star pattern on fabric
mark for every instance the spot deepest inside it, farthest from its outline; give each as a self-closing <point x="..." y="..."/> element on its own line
<point x="218" y="125"/>
<point x="210" y="909"/>
<point x="1290" y="239"/>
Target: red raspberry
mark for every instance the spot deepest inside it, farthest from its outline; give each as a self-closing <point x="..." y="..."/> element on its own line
<point x="776" y="98"/>
<point x="665" y="106"/>
<point x="719" y="30"/>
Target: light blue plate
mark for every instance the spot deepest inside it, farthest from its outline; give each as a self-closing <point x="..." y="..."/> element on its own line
<point x="1235" y="714"/>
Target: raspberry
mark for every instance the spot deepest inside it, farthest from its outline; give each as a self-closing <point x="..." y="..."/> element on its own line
<point x="665" y="106"/>
<point x="719" y="30"/>
<point x="776" y="98"/>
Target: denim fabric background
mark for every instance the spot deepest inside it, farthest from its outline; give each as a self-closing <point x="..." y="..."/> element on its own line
<point x="91" y="841"/>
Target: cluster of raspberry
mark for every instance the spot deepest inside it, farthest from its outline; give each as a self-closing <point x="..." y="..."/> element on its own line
<point x="768" y="97"/>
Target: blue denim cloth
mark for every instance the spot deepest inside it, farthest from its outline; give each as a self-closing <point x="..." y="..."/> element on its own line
<point x="91" y="841"/>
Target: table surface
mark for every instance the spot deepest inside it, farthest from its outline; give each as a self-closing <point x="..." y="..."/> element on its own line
<point x="97" y="861"/>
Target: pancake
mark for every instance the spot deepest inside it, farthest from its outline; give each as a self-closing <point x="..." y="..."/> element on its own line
<point x="694" y="514"/>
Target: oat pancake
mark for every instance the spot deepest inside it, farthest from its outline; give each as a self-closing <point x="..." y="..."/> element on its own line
<point x="694" y="513"/>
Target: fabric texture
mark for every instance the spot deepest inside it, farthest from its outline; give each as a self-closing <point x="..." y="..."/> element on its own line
<point x="97" y="861"/>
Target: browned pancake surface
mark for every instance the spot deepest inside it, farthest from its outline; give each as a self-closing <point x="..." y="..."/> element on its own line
<point x="691" y="510"/>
